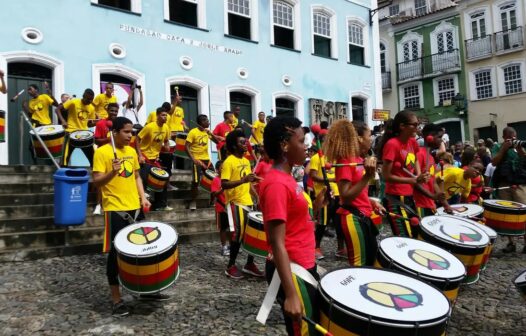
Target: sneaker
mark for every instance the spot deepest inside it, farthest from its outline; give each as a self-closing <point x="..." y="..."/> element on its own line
<point x="166" y="208"/>
<point x="154" y="297"/>
<point x="342" y="253"/>
<point x="234" y="273"/>
<point x="171" y="187"/>
<point x="319" y="255"/>
<point x="225" y="250"/>
<point x="509" y="248"/>
<point x="253" y="270"/>
<point x="97" y="210"/>
<point x="192" y="205"/>
<point x="120" y="309"/>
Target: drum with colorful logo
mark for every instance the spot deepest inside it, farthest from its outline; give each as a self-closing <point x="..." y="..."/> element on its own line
<point x="367" y="301"/>
<point x="520" y="283"/>
<point x="206" y="179"/>
<point x="506" y="217"/>
<point x="492" y="240"/>
<point x="255" y="239"/>
<point x="463" y="210"/>
<point x="376" y="218"/>
<point x="147" y="257"/>
<point x="425" y="261"/>
<point x="460" y="236"/>
<point x="80" y="139"/>
<point x="52" y="136"/>
<point x="180" y="145"/>
<point x="157" y="179"/>
<point x="2" y="126"/>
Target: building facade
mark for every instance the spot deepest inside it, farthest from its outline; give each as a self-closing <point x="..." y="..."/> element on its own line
<point x="495" y="65"/>
<point x="313" y="59"/>
<point x="422" y="62"/>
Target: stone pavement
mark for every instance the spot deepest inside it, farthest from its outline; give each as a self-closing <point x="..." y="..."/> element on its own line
<point x="69" y="296"/>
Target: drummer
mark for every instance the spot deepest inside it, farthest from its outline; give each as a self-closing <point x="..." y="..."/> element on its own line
<point x="116" y="173"/>
<point x="38" y="106"/>
<point x="289" y="228"/>
<point x="468" y="157"/>
<point x="80" y="116"/>
<point x="257" y="132"/>
<point x="150" y="140"/>
<point x="197" y="150"/>
<point x="221" y="130"/>
<point x="176" y="124"/>
<point x="349" y="143"/>
<point x="102" y="100"/>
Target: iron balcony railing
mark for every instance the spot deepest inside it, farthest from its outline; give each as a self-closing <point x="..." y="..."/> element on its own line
<point x="479" y="47"/>
<point x="429" y="65"/>
<point x="386" y="80"/>
<point x="486" y="46"/>
<point x="509" y="39"/>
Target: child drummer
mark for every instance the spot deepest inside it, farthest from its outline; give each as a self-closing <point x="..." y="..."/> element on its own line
<point x="116" y="173"/>
<point x="218" y="197"/>
<point x="197" y="150"/>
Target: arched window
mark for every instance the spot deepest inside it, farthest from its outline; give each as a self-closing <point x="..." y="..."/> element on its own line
<point x="285" y="107"/>
<point x="324" y="32"/>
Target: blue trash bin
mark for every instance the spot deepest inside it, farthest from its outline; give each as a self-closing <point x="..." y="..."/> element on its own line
<point x="71" y="196"/>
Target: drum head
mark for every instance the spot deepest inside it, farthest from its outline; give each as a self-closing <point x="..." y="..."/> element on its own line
<point x="463" y="210"/>
<point x="256" y="216"/>
<point x="455" y="230"/>
<point x="145" y="239"/>
<point x="211" y="174"/>
<point x="521" y="279"/>
<point x="159" y="172"/>
<point x="48" y="130"/>
<point x="171" y="143"/>
<point x="423" y="258"/>
<point x="503" y="204"/>
<point x="81" y="135"/>
<point x="385" y="295"/>
<point x="492" y="234"/>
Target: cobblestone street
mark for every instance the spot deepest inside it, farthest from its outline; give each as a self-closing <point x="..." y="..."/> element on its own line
<point x="69" y="296"/>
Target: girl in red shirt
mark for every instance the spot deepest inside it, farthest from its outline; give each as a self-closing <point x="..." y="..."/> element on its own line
<point x="401" y="170"/>
<point x="348" y="143"/>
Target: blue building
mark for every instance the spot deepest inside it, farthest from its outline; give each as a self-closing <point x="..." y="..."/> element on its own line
<point x="313" y="59"/>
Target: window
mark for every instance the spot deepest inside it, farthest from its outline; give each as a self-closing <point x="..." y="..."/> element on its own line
<point x="183" y="11"/>
<point x="394" y="10"/>
<point x="356" y="43"/>
<point x="324" y="34"/>
<point x="445" y="89"/>
<point x="483" y="84"/>
<point x="411" y="96"/>
<point x="239" y="18"/>
<point x="512" y="78"/>
<point x="445" y="41"/>
<point x="283" y="22"/>
<point x="420" y="7"/>
<point x="383" y="61"/>
<point x="410" y="50"/>
<point x="478" y="25"/>
<point x="133" y="6"/>
<point x="508" y="17"/>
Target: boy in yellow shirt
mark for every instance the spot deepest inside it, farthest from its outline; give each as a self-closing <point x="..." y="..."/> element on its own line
<point x="257" y="131"/>
<point x="102" y="100"/>
<point x="117" y="176"/>
<point x="38" y="106"/>
<point x="197" y="149"/>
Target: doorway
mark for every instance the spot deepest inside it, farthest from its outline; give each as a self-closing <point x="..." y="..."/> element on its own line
<point x="244" y="102"/>
<point x="190" y="103"/>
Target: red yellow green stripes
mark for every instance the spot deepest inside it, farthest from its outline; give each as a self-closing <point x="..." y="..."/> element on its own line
<point x="106" y="241"/>
<point x="355" y="240"/>
<point x="303" y="329"/>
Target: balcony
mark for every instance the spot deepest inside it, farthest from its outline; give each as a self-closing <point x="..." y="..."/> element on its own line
<point x="479" y="47"/>
<point x="509" y="40"/>
<point x="429" y="66"/>
<point x="386" y="80"/>
<point x="496" y="44"/>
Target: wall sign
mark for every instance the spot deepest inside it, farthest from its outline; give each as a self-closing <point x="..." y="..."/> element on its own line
<point x="381" y="115"/>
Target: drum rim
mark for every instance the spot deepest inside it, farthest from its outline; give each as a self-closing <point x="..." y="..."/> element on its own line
<point x="522" y="283"/>
<point x="60" y="130"/>
<point x="150" y="254"/>
<point x="461" y="215"/>
<point x="487" y="203"/>
<point x="379" y="320"/>
<point x="468" y="247"/>
<point x="251" y="212"/>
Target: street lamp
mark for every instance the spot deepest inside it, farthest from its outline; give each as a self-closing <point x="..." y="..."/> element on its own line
<point x="460" y="103"/>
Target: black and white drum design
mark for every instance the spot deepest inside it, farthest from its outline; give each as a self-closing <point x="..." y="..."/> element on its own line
<point x="80" y="139"/>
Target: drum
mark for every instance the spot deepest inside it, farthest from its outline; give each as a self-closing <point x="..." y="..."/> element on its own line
<point x="460" y="236"/>
<point x="147" y="257"/>
<point x="376" y="218"/>
<point x="171" y="145"/>
<point x="206" y="179"/>
<point x="506" y="217"/>
<point x="80" y="139"/>
<point x="157" y="179"/>
<point x="368" y="301"/>
<point x="463" y="210"/>
<point x="520" y="283"/>
<point x="2" y="126"/>
<point x="136" y="129"/>
<point x="180" y="145"/>
<point x="52" y="136"/>
<point x="427" y="262"/>
<point x="255" y="239"/>
<point x="492" y="240"/>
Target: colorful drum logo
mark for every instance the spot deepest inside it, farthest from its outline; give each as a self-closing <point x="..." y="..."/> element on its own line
<point x="157" y="179"/>
<point x="463" y="210"/>
<point x="53" y="138"/>
<point x="506" y="217"/>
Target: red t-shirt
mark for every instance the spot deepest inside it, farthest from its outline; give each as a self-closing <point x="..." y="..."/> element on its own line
<point x="222" y="130"/>
<point x="354" y="175"/>
<point x="402" y="155"/>
<point x="477" y="186"/>
<point x="282" y="199"/>
<point x="220" y="198"/>
<point x="101" y="129"/>
<point x="422" y="201"/>
<point x="262" y="170"/>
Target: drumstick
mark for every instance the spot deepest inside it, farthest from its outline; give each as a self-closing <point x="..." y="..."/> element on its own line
<point x="246" y="123"/>
<point x="490" y="189"/>
<point x="414" y="221"/>
<point x="408" y="172"/>
<point x="318" y="327"/>
<point x="109" y="124"/>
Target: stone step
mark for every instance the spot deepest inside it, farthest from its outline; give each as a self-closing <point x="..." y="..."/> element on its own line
<point x="27" y="169"/>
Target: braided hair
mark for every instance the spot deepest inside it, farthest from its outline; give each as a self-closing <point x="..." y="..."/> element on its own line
<point x="278" y="129"/>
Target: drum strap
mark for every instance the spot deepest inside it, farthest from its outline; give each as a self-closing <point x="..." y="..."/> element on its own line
<point x="230" y="215"/>
<point x="127" y="217"/>
<point x="273" y="288"/>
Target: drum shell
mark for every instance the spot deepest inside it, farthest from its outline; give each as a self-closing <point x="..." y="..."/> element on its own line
<point x="54" y="143"/>
<point x="206" y="179"/>
<point x="180" y="145"/>
<point x="155" y="182"/>
<point x="521" y="284"/>
<point x="171" y="145"/>
<point x="255" y="238"/>
<point x="80" y="143"/>
<point x="505" y="221"/>
<point x="489" y="249"/>
<point x="2" y="126"/>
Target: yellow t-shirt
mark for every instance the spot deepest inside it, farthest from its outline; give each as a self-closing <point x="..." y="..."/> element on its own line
<point x="101" y="102"/>
<point x="176" y="120"/>
<point x="78" y="115"/>
<point x="198" y="144"/>
<point x="234" y="169"/>
<point x="259" y="128"/>
<point x="120" y="194"/>
<point x="152" y="139"/>
<point x="152" y="117"/>
<point x="315" y="165"/>
<point x="234" y="124"/>
<point x="454" y="182"/>
<point x="39" y="108"/>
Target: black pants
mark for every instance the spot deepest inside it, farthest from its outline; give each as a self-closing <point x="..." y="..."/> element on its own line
<point x="88" y="152"/>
